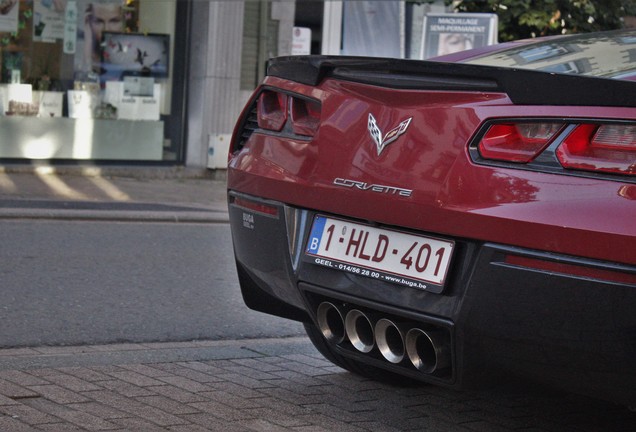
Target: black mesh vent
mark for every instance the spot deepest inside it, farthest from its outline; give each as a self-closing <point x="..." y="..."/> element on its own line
<point x="250" y="124"/>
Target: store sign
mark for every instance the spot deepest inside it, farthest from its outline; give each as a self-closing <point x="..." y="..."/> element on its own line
<point x="449" y="33"/>
<point x="301" y="41"/>
<point x="131" y="107"/>
<point x="50" y="103"/>
<point x="9" y="16"/>
<point x="18" y="93"/>
<point x="82" y="104"/>
<point x="139" y="86"/>
<point x="138" y="108"/>
<point x="49" y="19"/>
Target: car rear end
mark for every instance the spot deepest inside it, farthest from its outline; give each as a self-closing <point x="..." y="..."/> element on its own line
<point x="443" y="222"/>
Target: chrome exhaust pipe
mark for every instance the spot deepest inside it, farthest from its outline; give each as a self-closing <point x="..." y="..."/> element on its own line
<point x="331" y="322"/>
<point x="390" y="340"/>
<point x="359" y="330"/>
<point x="427" y="350"/>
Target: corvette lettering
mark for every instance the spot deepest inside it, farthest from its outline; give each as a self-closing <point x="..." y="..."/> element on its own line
<point x="391" y="190"/>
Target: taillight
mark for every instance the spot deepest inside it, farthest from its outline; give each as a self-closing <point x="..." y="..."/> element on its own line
<point x="571" y="269"/>
<point x="305" y="116"/>
<point x="517" y="142"/>
<point x="255" y="206"/>
<point x="272" y="110"/>
<point x="564" y="146"/>
<point x="275" y="109"/>
<point x="605" y="148"/>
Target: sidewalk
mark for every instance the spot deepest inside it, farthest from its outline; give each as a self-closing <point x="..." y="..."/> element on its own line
<point x="155" y="194"/>
<point x="259" y="385"/>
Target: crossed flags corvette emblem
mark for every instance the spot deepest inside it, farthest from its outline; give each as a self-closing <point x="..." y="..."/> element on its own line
<point x="382" y="141"/>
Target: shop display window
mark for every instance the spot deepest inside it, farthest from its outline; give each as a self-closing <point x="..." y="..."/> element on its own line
<point x="86" y="79"/>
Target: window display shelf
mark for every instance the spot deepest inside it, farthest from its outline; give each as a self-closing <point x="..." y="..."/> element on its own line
<point x="66" y="138"/>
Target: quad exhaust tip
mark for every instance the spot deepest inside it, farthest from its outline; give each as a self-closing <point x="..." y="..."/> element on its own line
<point x="359" y="330"/>
<point x="390" y="340"/>
<point x="427" y="350"/>
<point x="331" y="322"/>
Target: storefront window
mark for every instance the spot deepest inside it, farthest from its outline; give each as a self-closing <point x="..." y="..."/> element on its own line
<point x="87" y="80"/>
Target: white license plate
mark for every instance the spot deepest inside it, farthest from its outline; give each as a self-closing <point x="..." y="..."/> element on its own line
<point x="388" y="255"/>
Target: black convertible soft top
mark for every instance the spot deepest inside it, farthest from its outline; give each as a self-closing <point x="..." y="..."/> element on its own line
<point x="525" y="87"/>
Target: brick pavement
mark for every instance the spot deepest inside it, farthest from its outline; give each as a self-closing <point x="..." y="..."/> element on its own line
<point x="258" y="385"/>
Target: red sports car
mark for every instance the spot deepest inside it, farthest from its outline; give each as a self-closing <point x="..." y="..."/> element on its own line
<point x="449" y="221"/>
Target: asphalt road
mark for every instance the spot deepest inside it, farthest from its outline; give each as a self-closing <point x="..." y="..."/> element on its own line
<point x="77" y="283"/>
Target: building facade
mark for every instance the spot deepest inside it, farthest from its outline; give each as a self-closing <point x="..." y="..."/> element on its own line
<point x="148" y="82"/>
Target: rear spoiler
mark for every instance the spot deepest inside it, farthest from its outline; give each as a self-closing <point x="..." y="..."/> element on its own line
<point x="524" y="87"/>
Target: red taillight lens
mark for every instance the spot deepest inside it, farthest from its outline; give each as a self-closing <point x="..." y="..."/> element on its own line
<point x="571" y="269"/>
<point x="255" y="206"/>
<point x="517" y="142"/>
<point x="305" y="116"/>
<point x="272" y="110"/>
<point x="605" y="148"/>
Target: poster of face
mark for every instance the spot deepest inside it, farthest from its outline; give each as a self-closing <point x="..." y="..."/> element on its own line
<point x="94" y="18"/>
<point x="9" y="10"/>
<point x="48" y="20"/>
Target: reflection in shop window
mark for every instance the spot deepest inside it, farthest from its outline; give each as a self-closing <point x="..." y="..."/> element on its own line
<point x="579" y="66"/>
<point x="93" y="76"/>
<point x="542" y="53"/>
<point x="569" y="67"/>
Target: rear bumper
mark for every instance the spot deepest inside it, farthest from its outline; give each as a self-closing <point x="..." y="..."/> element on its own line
<point x="557" y="319"/>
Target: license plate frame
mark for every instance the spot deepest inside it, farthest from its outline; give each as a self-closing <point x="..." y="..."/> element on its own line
<point x="394" y="256"/>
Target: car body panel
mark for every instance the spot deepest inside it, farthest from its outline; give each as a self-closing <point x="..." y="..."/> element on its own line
<point x="451" y="195"/>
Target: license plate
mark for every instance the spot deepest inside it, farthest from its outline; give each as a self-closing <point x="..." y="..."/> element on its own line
<point x="388" y="255"/>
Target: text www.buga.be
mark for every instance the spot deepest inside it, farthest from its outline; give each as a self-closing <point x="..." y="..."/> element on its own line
<point x="412" y="284"/>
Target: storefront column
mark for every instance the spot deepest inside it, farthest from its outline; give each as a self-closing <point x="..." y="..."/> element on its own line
<point x="214" y="78"/>
<point x="332" y="28"/>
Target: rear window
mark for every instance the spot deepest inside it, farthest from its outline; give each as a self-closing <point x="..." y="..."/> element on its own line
<point x="606" y="54"/>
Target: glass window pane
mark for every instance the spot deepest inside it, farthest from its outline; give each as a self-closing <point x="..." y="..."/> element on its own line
<point x="88" y="80"/>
